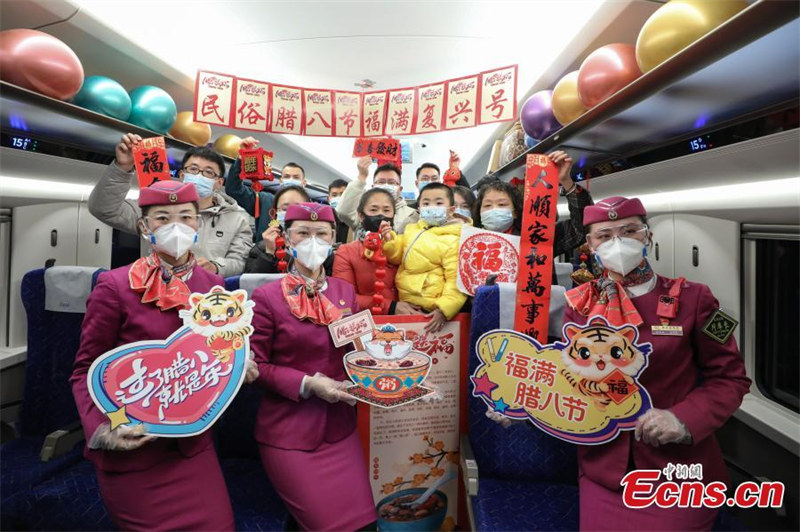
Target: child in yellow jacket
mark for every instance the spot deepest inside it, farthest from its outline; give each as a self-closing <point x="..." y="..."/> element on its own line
<point x="427" y="255"/>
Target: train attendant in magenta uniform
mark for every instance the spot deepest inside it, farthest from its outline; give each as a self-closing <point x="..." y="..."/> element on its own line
<point x="306" y="424"/>
<point x="696" y="376"/>
<point x="151" y="483"/>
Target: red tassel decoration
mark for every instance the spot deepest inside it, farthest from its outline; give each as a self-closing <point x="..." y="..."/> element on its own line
<point x="374" y="252"/>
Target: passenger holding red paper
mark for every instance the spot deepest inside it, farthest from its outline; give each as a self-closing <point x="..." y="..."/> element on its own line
<point x="696" y="376"/>
<point x="151" y="483"/>
<point x="306" y="424"/>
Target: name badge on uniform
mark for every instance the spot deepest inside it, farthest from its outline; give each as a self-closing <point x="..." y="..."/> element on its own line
<point x="666" y="330"/>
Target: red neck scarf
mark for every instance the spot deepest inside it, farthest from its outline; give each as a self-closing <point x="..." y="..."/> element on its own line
<point x="607" y="297"/>
<point x="161" y="285"/>
<point x="306" y="300"/>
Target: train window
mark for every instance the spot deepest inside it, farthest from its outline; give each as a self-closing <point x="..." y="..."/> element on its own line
<point x="777" y="306"/>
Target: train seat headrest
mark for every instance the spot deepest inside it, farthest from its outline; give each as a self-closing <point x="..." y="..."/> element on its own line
<point x="66" y="288"/>
<point x="250" y="281"/>
<point x="508" y="298"/>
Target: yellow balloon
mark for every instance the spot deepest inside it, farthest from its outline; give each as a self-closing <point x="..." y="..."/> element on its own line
<point x="677" y="24"/>
<point x="187" y="130"/>
<point x="567" y="105"/>
<point x="228" y="145"/>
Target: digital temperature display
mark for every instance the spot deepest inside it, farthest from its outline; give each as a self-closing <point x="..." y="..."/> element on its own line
<point x="23" y="143"/>
<point x="699" y="144"/>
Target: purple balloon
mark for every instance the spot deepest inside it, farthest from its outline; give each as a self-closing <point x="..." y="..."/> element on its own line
<point x="537" y="116"/>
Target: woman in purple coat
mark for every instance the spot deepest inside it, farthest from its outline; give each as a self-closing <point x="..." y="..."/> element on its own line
<point x="695" y="377"/>
<point x="306" y="424"/>
<point x="149" y="483"/>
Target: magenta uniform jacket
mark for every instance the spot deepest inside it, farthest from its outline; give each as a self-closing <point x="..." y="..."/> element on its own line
<point x="285" y="350"/>
<point x="115" y="316"/>
<point x="698" y="379"/>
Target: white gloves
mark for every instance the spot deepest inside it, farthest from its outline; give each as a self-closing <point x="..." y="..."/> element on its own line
<point x="123" y="438"/>
<point x="251" y="370"/>
<point x="326" y="389"/>
<point x="660" y="427"/>
<point x="502" y="420"/>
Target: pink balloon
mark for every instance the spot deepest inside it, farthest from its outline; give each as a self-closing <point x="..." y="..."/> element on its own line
<point x="605" y="71"/>
<point x="40" y="62"/>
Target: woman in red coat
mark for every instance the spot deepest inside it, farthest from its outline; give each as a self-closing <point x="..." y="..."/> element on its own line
<point x="150" y="483"/>
<point x="696" y="377"/>
<point x="351" y="262"/>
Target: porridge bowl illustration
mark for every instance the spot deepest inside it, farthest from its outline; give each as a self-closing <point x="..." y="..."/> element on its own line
<point x="387" y="378"/>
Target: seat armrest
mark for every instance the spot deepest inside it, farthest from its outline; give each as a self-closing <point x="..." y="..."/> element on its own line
<point x="469" y="468"/>
<point x="61" y="441"/>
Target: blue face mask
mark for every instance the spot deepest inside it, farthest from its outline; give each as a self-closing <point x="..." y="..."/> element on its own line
<point x="434" y="215"/>
<point x="281" y="217"/>
<point x="291" y="182"/>
<point x="466" y="213"/>
<point x="204" y="185"/>
<point x="498" y="219"/>
<point x="334" y="202"/>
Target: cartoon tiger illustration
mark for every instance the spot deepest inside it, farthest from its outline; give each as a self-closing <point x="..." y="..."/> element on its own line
<point x="223" y="317"/>
<point x="594" y="352"/>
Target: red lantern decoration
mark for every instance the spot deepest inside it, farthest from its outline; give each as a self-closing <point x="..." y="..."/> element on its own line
<point x="280" y="254"/>
<point x="257" y="167"/>
<point x="373" y="250"/>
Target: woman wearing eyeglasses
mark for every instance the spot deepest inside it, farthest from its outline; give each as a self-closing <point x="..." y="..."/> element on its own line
<point x="306" y="424"/>
<point x="696" y="377"/>
<point x="150" y="483"/>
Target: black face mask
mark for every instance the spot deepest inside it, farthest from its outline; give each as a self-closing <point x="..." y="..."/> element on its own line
<point x="373" y="223"/>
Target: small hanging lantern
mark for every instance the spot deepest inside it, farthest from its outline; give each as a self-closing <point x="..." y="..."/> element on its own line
<point x="257" y="167"/>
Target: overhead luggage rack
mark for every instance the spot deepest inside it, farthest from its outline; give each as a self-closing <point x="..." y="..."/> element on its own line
<point x="748" y="66"/>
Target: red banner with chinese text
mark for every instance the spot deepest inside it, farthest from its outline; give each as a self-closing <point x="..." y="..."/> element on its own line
<point x="150" y="159"/>
<point x="226" y="100"/>
<point x="381" y="149"/>
<point x="213" y="98"/>
<point x="251" y="105"/>
<point x="536" y="247"/>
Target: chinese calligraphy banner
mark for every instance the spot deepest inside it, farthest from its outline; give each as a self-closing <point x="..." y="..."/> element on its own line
<point x="318" y="113"/>
<point x="483" y="253"/>
<point x="411" y="447"/>
<point x="250" y="105"/>
<point x="462" y="98"/>
<point x="213" y="98"/>
<point x="484" y="98"/>
<point x="287" y="110"/>
<point x="374" y="114"/>
<point x="150" y="159"/>
<point x="536" y="247"/>
<point x="402" y="112"/>
<point x="180" y="386"/>
<point x="579" y="390"/>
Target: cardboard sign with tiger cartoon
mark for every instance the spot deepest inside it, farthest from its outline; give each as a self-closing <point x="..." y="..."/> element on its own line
<point x="180" y="386"/>
<point x="584" y="390"/>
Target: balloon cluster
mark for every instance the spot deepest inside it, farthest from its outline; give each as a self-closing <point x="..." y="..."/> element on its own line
<point x="605" y="71"/>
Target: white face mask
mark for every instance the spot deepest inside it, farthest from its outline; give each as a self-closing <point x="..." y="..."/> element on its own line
<point x="174" y="239"/>
<point x="621" y="255"/>
<point x="311" y="252"/>
<point x="394" y="190"/>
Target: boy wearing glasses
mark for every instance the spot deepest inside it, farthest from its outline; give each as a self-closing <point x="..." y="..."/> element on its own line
<point x="223" y="237"/>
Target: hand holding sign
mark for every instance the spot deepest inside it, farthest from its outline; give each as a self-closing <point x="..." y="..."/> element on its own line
<point x="124" y="151"/>
<point x="179" y="386"/>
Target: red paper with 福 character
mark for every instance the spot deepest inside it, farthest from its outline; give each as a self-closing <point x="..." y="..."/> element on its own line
<point x="150" y="159"/>
<point x="536" y="247"/>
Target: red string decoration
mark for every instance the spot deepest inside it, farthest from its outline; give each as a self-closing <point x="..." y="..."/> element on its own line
<point x="257" y="167"/>
<point x="280" y="254"/>
<point x="373" y="250"/>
